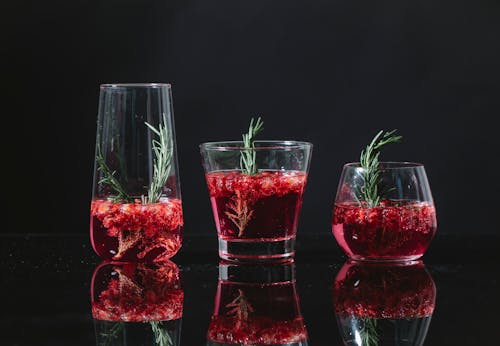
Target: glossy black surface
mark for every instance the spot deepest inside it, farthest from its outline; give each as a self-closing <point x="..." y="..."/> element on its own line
<point x="46" y="298"/>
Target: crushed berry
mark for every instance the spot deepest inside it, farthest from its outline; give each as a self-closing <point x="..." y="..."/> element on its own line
<point x="137" y="292"/>
<point x="136" y="231"/>
<point x="256" y="314"/>
<point x="261" y="206"/>
<point x="392" y="230"/>
<point x="384" y="291"/>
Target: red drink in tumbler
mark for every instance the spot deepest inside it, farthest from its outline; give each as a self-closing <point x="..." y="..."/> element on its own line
<point x="260" y="208"/>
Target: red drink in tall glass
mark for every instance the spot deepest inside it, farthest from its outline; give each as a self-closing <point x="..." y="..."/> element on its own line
<point x="132" y="292"/>
<point x="137" y="303"/>
<point x="136" y="210"/>
<point x="136" y="231"/>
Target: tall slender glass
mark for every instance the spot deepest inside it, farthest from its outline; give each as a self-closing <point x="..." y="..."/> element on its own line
<point x="137" y="303"/>
<point x="136" y="211"/>
<point x="398" y="224"/>
<point x="256" y="215"/>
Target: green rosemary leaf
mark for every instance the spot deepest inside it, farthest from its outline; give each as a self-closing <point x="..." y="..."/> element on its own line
<point x="162" y="150"/>
<point x="108" y="179"/>
<point x="369" y="161"/>
<point x="110" y="336"/>
<point x="368" y="332"/>
<point x="162" y="337"/>
<point x="248" y="154"/>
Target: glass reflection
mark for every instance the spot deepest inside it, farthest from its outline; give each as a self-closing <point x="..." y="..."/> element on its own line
<point x="257" y="305"/>
<point x="384" y="303"/>
<point x="137" y="304"/>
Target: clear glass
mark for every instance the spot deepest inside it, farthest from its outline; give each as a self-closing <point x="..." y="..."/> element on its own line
<point x="400" y="227"/>
<point x="136" y="210"/>
<point x="257" y="305"/>
<point x="256" y="215"/>
<point x="137" y="303"/>
<point x="384" y="303"/>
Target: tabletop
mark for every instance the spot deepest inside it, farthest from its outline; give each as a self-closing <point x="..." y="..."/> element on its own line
<point x="48" y="280"/>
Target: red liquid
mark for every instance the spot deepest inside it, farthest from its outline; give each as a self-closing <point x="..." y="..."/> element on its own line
<point x="137" y="292"/>
<point x="391" y="231"/>
<point x="384" y="291"/>
<point x="136" y="232"/>
<point x="251" y="314"/>
<point x="264" y="206"/>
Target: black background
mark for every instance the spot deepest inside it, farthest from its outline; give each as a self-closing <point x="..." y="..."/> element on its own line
<point x="329" y="72"/>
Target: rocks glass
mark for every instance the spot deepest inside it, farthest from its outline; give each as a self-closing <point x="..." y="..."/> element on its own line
<point x="256" y="215"/>
<point x="136" y="211"/>
<point x="398" y="225"/>
<point x="257" y="305"/>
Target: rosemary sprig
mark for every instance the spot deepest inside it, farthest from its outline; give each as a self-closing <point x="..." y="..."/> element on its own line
<point x="248" y="155"/>
<point x="240" y="307"/>
<point x="162" y="337"/>
<point x="162" y="163"/>
<point x="108" y="178"/>
<point x="161" y="169"/>
<point x="239" y="212"/>
<point x="370" y="163"/>
<point x="109" y="336"/>
<point x="368" y="332"/>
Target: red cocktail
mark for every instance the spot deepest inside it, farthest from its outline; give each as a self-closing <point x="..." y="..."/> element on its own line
<point x="256" y="313"/>
<point x="391" y="230"/>
<point x="137" y="304"/>
<point x="256" y="195"/>
<point x="264" y="206"/>
<point x="136" y="231"/>
<point x="136" y="210"/>
<point x="384" y="304"/>
<point x="134" y="292"/>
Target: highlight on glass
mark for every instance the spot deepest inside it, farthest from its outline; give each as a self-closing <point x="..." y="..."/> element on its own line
<point x="137" y="303"/>
<point x="384" y="303"/>
<point x="256" y="190"/>
<point x="136" y="211"/>
<point x="383" y="210"/>
<point x="257" y="305"/>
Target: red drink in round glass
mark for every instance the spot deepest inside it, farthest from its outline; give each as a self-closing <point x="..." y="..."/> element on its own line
<point x="384" y="304"/>
<point x="400" y="226"/>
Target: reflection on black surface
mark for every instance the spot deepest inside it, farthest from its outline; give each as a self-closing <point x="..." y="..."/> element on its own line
<point x="257" y="304"/>
<point x="137" y="304"/>
<point x="384" y="304"/>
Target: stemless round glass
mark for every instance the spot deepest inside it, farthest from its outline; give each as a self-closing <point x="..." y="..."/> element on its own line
<point x="136" y="211"/>
<point x="257" y="304"/>
<point x="384" y="303"/>
<point x="399" y="227"/>
<point x="256" y="215"/>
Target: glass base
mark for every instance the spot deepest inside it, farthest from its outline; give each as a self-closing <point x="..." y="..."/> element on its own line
<point x="251" y="250"/>
<point x="300" y="343"/>
<point x="384" y="259"/>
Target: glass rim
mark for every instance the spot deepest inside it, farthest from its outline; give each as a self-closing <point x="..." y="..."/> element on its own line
<point x="261" y="145"/>
<point x="389" y="165"/>
<point x="135" y="85"/>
